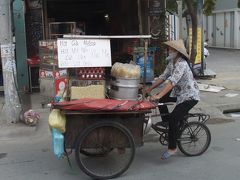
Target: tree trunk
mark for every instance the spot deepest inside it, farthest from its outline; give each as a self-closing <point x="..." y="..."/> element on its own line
<point x="193" y="16"/>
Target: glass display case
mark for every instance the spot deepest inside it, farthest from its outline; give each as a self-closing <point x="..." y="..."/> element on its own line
<point x="53" y="80"/>
<point x="58" y="29"/>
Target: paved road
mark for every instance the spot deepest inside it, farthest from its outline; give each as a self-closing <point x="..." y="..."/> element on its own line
<point x="31" y="158"/>
<point x="25" y="153"/>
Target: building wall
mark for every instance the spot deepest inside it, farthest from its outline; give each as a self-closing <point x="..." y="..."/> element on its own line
<point x="225" y="4"/>
<point x="222" y="28"/>
<point x="172" y="27"/>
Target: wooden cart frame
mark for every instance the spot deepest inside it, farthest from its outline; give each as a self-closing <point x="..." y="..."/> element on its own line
<point x="114" y="134"/>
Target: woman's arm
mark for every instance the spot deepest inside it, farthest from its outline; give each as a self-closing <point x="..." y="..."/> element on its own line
<point x="161" y="79"/>
<point x="156" y="84"/>
<point x="173" y="79"/>
<point x="168" y="87"/>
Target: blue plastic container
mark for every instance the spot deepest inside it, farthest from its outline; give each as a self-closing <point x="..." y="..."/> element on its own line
<point x="57" y="143"/>
<point x="138" y="54"/>
<point x="149" y="66"/>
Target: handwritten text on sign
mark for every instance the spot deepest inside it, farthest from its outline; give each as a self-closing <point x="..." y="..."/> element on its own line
<point x="84" y="53"/>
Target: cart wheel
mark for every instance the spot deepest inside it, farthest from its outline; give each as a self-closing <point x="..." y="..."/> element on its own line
<point x="114" y="145"/>
<point x="194" y="139"/>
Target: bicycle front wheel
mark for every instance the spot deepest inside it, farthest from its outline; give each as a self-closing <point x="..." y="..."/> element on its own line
<point x="194" y="139"/>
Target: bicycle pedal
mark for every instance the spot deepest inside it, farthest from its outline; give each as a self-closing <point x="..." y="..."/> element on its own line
<point x="162" y="124"/>
<point x="159" y="128"/>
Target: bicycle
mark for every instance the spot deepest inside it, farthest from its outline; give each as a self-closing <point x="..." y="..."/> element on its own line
<point x="191" y="133"/>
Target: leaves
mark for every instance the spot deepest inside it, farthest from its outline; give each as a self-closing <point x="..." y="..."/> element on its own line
<point x="191" y="10"/>
<point x="171" y="6"/>
<point x="208" y="7"/>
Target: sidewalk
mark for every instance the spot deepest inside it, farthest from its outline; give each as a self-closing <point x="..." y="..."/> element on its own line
<point x="226" y="64"/>
<point x="20" y="130"/>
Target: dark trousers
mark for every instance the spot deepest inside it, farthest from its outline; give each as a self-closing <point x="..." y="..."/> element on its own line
<point x="163" y="109"/>
<point x="176" y="117"/>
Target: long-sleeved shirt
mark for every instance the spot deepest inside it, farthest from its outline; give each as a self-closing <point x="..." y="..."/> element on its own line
<point x="184" y="85"/>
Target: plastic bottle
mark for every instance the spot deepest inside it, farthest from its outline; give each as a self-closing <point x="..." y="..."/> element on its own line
<point x="57" y="143"/>
<point x="140" y="62"/>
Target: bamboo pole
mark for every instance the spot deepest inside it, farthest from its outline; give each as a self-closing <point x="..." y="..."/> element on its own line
<point x="145" y="65"/>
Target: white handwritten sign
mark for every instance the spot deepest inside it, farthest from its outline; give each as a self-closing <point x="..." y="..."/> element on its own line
<point x="84" y="53"/>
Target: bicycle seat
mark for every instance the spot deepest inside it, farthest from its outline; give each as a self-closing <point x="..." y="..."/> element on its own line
<point x="166" y="104"/>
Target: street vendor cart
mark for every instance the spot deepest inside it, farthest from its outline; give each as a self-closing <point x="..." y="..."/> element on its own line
<point x="105" y="132"/>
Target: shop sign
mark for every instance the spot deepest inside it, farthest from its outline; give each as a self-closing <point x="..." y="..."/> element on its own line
<point x="33" y="4"/>
<point x="198" y="59"/>
<point x="156" y="7"/>
<point x="7" y="50"/>
<point x="60" y="73"/>
<point x="52" y="74"/>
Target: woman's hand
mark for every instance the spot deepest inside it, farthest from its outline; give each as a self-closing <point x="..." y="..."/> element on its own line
<point x="148" y="91"/>
<point x="140" y="86"/>
<point x="155" y="97"/>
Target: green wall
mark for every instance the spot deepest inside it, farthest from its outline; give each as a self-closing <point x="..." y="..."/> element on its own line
<point x="21" y="49"/>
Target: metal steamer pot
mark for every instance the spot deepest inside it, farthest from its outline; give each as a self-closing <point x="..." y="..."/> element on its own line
<point x="124" y="88"/>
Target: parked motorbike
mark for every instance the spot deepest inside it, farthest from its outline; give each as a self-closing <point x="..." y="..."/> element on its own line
<point x="206" y="54"/>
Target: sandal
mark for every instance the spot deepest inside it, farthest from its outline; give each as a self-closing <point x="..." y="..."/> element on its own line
<point x="167" y="155"/>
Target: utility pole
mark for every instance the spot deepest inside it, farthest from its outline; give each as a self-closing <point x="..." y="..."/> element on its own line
<point x="12" y="106"/>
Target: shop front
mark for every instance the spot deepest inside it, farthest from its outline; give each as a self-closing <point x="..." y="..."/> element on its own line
<point x="51" y="19"/>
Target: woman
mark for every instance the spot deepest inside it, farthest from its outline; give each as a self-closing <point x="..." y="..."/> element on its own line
<point x="180" y="85"/>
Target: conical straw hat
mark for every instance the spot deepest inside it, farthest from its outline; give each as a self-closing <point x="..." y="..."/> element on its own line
<point x="178" y="45"/>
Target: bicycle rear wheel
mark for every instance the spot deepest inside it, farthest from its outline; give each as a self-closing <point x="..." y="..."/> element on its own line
<point x="194" y="139"/>
<point x="114" y="145"/>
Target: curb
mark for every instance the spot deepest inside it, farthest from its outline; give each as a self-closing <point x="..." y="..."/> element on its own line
<point x="230" y="111"/>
